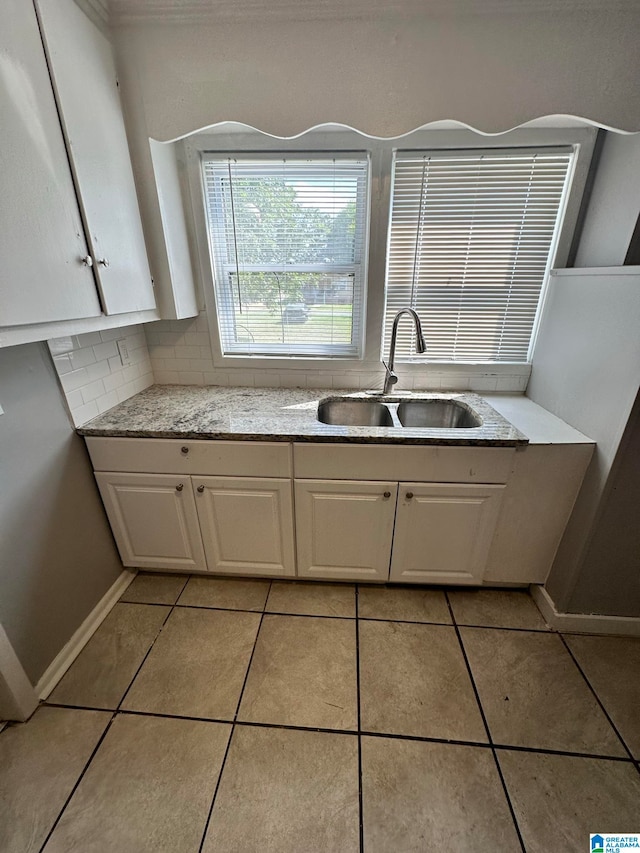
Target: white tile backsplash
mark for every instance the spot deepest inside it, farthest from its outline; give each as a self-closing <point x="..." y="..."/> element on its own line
<point x="180" y="352"/>
<point x="92" y="375"/>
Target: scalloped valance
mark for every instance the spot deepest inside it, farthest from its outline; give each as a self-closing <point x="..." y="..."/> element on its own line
<point x="387" y="76"/>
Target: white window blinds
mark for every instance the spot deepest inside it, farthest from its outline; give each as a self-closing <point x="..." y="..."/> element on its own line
<point x="287" y="238"/>
<point x="470" y="241"/>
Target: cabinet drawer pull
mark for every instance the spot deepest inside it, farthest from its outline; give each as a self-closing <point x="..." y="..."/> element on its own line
<point x="201" y="489"/>
<point x="103" y="262"/>
<point x="179" y="487"/>
<point x="409" y="495"/>
<point x="386" y="495"/>
<point x="184" y="450"/>
<point x="87" y="261"/>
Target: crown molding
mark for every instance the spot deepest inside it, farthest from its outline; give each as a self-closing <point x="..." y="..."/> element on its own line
<point x="211" y="11"/>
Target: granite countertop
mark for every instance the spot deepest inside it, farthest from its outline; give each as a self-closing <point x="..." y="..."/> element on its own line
<point x="280" y="414"/>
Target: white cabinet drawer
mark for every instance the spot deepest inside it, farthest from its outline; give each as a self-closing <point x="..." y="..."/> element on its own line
<point x="178" y="456"/>
<point x="410" y="463"/>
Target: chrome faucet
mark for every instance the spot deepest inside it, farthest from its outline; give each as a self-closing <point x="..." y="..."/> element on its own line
<point x="390" y="377"/>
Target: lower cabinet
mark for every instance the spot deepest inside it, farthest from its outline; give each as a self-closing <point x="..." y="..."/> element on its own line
<point x="344" y="529"/>
<point x="209" y="515"/>
<point x="246" y="524"/>
<point x="230" y="525"/>
<point x="154" y="520"/>
<point x="443" y="532"/>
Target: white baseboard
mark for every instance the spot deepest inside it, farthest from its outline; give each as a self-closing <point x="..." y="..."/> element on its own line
<point x="583" y="623"/>
<point x="63" y="660"/>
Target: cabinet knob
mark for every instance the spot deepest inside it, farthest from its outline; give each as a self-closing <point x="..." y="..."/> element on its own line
<point x="103" y="262"/>
<point x="409" y="495"/>
<point x="179" y="487"/>
<point x="184" y="450"/>
<point x="386" y="495"/>
<point x="87" y="261"/>
<point x="201" y="489"/>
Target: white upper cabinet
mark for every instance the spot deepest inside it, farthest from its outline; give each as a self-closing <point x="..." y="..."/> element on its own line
<point x="43" y="278"/>
<point x="84" y="78"/>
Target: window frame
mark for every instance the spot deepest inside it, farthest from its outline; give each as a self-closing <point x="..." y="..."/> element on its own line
<point x="223" y="289"/>
<point x="378" y="216"/>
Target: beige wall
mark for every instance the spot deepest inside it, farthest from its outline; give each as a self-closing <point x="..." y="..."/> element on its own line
<point x="384" y="74"/>
<point x="609" y="579"/>
<point x="586" y="371"/>
<point x="57" y="556"/>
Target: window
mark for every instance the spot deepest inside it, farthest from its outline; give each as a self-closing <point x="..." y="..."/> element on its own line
<point x="287" y="237"/>
<point x="471" y="237"/>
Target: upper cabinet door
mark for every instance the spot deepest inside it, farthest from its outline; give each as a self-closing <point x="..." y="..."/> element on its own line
<point x="42" y="277"/>
<point x="84" y="78"/>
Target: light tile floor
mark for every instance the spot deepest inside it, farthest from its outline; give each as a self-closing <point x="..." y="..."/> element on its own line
<point x="212" y="715"/>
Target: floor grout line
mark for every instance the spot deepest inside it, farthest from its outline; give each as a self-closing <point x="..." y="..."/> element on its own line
<point x="155" y="640"/>
<point x="505" y="747"/>
<point x="78" y="780"/>
<point x="233" y="726"/>
<point x="266" y="611"/>
<point x="597" y="698"/>
<point x="114" y="714"/>
<point x="487" y="729"/>
<point x="359" y="733"/>
<point x="358" y="699"/>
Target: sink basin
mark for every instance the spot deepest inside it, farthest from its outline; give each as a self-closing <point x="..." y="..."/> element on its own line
<point x="437" y="414"/>
<point x="354" y="413"/>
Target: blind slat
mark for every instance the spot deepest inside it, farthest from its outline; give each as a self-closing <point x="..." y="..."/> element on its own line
<point x="469" y="247"/>
<point x="287" y="238"/>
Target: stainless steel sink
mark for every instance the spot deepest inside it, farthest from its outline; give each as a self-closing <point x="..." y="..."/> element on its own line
<point x="354" y="413"/>
<point x="437" y="414"/>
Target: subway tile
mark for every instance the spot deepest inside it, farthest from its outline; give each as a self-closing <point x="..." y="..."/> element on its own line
<point x="82" y="357"/>
<point x="105" y="350"/>
<point x="107" y="401"/>
<point x="174" y="364"/>
<point x="113" y="334"/>
<point x="244" y="378"/>
<point x="293" y="379"/>
<point x="98" y="370"/>
<point x="113" y="381"/>
<point x="75" y="379"/>
<point x="191" y="377"/>
<point x="201" y="364"/>
<point x="187" y="352"/>
<point x="130" y="372"/>
<point x="167" y="377"/>
<point x="74" y="398"/>
<point x="88" y="339"/>
<point x="266" y="379"/>
<point x="213" y="378"/>
<point x="171" y="339"/>
<point x="85" y="413"/>
<point x="92" y="390"/>
<point x="62" y="364"/>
